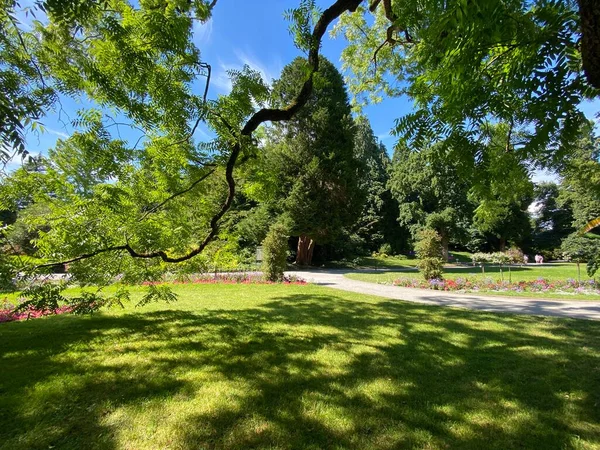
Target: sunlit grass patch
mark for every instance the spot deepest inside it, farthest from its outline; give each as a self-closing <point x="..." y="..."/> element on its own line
<point x="233" y="367"/>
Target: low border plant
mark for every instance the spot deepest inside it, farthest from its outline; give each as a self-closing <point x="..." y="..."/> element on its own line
<point x="488" y="284"/>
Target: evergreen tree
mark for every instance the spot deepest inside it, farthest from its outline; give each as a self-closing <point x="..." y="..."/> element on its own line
<point x="312" y="158"/>
<point x="378" y="221"/>
<point x="581" y="178"/>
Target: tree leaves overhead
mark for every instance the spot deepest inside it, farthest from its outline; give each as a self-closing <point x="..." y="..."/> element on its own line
<point x="135" y="57"/>
<point x="468" y="62"/>
<point x="24" y="94"/>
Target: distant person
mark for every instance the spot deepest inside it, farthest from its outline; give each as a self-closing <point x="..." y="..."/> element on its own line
<point x="525" y="259"/>
<point x="539" y="259"/>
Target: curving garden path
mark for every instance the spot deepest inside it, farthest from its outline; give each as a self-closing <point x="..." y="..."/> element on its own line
<point x="334" y="278"/>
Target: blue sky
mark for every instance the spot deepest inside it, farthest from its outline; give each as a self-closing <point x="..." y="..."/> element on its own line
<point x="254" y="33"/>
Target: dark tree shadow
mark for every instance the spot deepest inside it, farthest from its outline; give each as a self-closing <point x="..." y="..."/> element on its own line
<point x="303" y="371"/>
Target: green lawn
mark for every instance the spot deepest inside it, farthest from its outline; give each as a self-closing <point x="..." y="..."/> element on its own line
<point x="556" y="271"/>
<point x="391" y="262"/>
<point x="276" y="366"/>
<point x="375" y="262"/>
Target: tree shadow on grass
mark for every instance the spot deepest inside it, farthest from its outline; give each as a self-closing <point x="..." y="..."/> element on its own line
<point x="301" y="371"/>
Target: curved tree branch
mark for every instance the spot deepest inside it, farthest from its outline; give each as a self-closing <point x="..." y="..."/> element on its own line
<point x="258" y="118"/>
<point x="389" y="38"/>
<point x="84" y="256"/>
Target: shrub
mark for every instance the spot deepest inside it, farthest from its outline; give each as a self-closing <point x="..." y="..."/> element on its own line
<point x="515" y="255"/>
<point x="432" y="268"/>
<point x="385" y="249"/>
<point x="480" y="258"/>
<point x="552" y="254"/>
<point x="275" y="252"/>
<point x="429" y="251"/>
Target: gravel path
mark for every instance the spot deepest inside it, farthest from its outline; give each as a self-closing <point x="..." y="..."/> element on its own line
<point x="559" y="308"/>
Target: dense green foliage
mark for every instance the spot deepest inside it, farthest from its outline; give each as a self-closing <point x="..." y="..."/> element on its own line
<point x="309" y="167"/>
<point x="582" y="249"/>
<point x="101" y="49"/>
<point x="431" y="192"/>
<point x="377" y="224"/>
<point x="553" y="216"/>
<point x="516" y="62"/>
<point x="581" y="177"/>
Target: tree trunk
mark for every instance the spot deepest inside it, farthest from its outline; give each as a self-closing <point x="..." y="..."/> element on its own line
<point x="502" y="244"/>
<point x="445" y="242"/>
<point x="589" y="13"/>
<point x="306" y="247"/>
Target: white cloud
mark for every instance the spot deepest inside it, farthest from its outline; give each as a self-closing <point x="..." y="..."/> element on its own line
<point x="202" y="33"/>
<point x="221" y="80"/>
<point x="268" y="72"/>
<point x="57" y="133"/>
<point x="204" y="134"/>
<point x="544" y="175"/>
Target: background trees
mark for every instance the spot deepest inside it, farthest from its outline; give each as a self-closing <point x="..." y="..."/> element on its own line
<point x="553" y="218"/>
<point x="377" y="224"/>
<point x="431" y="193"/>
<point x="580" y="177"/>
<point x="497" y="91"/>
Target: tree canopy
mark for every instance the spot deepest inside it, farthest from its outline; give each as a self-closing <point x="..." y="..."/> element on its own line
<point x="431" y="193"/>
<point x="497" y="86"/>
<point x="467" y="63"/>
<point x="163" y="197"/>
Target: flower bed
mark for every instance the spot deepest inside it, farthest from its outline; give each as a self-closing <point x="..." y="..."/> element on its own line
<point x="8" y="314"/>
<point x="228" y="278"/>
<point x="487" y="284"/>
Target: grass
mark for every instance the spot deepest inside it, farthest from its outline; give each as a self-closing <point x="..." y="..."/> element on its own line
<point x="235" y="367"/>
<point x="555" y="271"/>
<point x="375" y="262"/>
